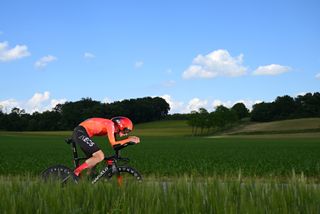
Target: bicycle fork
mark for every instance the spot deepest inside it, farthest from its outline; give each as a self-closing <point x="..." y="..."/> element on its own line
<point x="116" y="172"/>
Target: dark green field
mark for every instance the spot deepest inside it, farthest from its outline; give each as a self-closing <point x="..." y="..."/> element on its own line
<point x="167" y="149"/>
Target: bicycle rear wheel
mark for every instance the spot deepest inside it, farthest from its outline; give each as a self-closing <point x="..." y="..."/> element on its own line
<point x="59" y="173"/>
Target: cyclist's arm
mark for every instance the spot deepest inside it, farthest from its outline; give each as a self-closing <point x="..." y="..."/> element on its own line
<point x="112" y="139"/>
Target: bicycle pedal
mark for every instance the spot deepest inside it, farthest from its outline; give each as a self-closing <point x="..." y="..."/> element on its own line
<point x="75" y="178"/>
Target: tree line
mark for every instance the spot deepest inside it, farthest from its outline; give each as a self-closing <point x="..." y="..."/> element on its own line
<point x="286" y="107"/>
<point x="68" y="115"/>
<point x="283" y="108"/>
<point x="204" y="123"/>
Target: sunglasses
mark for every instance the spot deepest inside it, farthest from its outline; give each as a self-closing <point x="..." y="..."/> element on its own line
<point x="126" y="131"/>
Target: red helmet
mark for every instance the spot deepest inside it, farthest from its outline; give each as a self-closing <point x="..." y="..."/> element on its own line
<point x="123" y="123"/>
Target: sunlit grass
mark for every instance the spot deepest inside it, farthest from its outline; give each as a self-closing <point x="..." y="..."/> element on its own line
<point x="304" y="125"/>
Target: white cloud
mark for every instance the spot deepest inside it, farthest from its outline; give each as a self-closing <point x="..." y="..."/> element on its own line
<point x="210" y="105"/>
<point x="318" y="76"/>
<point x="175" y="106"/>
<point x="194" y="105"/>
<point x="216" y="63"/>
<point x="273" y="69"/>
<point x="7" y="54"/>
<point x="88" y="55"/>
<point x="217" y="103"/>
<point x="107" y="100"/>
<point x="7" y="105"/>
<point x="55" y="102"/>
<point x="38" y="102"/>
<point x="138" y="64"/>
<point x="229" y="103"/>
<point x="301" y="94"/>
<point x="43" y="62"/>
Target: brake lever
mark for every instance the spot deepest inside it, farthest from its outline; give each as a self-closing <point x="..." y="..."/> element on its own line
<point x="131" y="143"/>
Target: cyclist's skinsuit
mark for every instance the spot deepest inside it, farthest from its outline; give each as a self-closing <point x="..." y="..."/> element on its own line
<point x="83" y="133"/>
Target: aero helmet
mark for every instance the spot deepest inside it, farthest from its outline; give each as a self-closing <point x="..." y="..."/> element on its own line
<point x="123" y="123"/>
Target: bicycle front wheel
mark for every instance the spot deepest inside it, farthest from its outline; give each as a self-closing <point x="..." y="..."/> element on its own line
<point x="125" y="174"/>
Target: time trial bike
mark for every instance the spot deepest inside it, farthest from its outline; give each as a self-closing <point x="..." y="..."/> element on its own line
<point x="115" y="166"/>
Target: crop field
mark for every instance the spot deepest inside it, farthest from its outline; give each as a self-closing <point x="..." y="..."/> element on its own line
<point x="220" y="174"/>
<point x="167" y="149"/>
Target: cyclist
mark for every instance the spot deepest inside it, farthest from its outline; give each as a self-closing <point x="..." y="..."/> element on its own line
<point x="84" y="132"/>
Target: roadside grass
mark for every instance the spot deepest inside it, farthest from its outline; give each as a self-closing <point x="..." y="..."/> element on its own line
<point x="26" y="194"/>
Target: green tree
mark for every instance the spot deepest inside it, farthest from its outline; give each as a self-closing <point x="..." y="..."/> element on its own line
<point x="262" y="112"/>
<point x="17" y="120"/>
<point x="223" y="117"/>
<point x="241" y="110"/>
<point x="72" y="113"/>
<point x="308" y="105"/>
<point x="217" y="120"/>
<point x="193" y="122"/>
<point x="2" y="116"/>
<point x="203" y="120"/>
<point x="284" y="108"/>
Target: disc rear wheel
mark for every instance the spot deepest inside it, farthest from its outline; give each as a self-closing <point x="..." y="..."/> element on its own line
<point x="59" y="173"/>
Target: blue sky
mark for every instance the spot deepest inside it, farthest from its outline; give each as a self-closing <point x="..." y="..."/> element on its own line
<point x="192" y="53"/>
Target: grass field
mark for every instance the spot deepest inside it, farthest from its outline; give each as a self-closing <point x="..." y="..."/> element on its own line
<point x="183" y="195"/>
<point x="162" y="152"/>
<point x="273" y="173"/>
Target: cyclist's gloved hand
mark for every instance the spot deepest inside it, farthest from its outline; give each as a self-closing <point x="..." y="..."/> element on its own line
<point x="134" y="139"/>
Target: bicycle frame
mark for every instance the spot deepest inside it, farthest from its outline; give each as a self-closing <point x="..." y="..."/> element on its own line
<point x="77" y="159"/>
<point x="111" y="161"/>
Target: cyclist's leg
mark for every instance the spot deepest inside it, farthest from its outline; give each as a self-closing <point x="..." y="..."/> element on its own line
<point x="91" y="170"/>
<point x="91" y="150"/>
<point x="95" y="158"/>
<point x="90" y="163"/>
